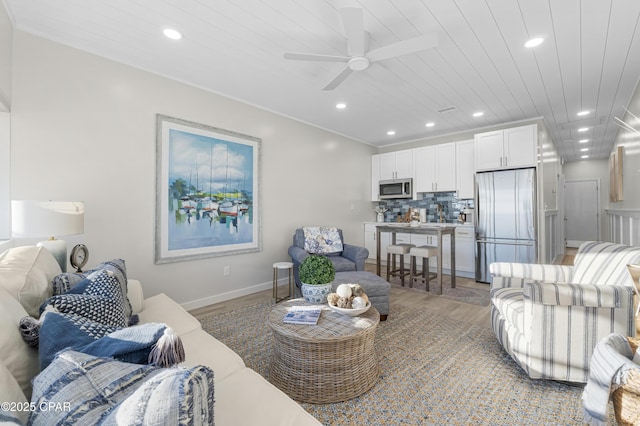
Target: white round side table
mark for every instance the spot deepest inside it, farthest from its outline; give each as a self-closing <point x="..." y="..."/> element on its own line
<point x="276" y="269"/>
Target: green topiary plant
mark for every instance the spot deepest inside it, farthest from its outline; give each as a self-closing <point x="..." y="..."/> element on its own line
<point x="316" y="269"/>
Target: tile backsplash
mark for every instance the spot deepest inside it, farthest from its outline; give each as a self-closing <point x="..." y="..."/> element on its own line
<point x="451" y="205"/>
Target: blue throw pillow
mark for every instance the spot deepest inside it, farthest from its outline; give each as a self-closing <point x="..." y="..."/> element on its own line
<point x="98" y="298"/>
<point x="94" y="390"/>
<point x="66" y="281"/>
<point x="67" y="331"/>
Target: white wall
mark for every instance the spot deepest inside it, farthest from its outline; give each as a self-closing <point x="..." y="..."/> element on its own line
<point x="84" y="129"/>
<point x="630" y="141"/>
<point x="6" y="42"/>
<point x="593" y="169"/>
<point x="624" y="216"/>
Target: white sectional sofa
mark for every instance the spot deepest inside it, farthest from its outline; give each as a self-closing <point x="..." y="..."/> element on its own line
<point x="242" y="396"/>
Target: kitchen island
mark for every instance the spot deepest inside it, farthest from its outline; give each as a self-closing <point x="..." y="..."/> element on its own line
<point x="437" y="229"/>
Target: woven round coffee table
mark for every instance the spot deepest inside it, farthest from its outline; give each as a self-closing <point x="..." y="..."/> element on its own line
<point x="332" y="361"/>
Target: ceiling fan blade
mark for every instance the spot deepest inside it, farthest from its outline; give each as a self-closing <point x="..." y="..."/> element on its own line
<point x="412" y="45"/>
<point x="315" y="57"/>
<point x="339" y="79"/>
<point x="354" y="30"/>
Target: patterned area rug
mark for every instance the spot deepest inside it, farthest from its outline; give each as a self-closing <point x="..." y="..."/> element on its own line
<point x="434" y="371"/>
<point x="461" y="293"/>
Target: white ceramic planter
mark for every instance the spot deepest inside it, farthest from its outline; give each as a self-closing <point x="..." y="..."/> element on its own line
<point x="315" y="293"/>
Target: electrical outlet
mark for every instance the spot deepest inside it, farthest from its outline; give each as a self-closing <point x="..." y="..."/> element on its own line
<point x="227" y="271"/>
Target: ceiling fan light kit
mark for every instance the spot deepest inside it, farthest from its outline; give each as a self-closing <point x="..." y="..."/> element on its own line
<point x="359" y="58"/>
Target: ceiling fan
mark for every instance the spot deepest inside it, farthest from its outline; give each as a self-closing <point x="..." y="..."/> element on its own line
<point x="357" y="44"/>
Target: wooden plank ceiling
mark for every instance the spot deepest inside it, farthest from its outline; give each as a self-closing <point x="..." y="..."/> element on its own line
<point x="589" y="60"/>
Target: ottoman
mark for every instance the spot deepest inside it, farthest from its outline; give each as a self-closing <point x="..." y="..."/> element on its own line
<point x="377" y="288"/>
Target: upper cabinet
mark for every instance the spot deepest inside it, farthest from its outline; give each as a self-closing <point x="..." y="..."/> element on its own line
<point x="435" y="168"/>
<point x="396" y="165"/>
<point x="465" y="169"/>
<point x="390" y="165"/>
<point x="506" y="149"/>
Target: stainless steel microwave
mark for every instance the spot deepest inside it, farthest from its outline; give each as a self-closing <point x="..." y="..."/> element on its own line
<point x="396" y="188"/>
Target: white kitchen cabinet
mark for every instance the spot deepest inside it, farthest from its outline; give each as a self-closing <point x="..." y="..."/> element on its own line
<point x="435" y="168"/>
<point x="396" y="165"/>
<point x="506" y="149"/>
<point x="465" y="169"/>
<point x="432" y="240"/>
<point x="370" y="241"/>
<point x="465" y="249"/>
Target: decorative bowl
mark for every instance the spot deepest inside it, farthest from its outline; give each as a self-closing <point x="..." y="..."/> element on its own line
<point x="351" y="312"/>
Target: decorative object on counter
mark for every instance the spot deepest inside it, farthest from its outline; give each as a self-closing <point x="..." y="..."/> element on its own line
<point x="412" y="215"/>
<point x="423" y="215"/>
<point x="440" y="210"/>
<point x="380" y="213"/>
<point x="316" y="274"/>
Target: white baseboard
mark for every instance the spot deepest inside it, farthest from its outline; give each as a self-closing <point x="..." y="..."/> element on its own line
<point x="206" y="301"/>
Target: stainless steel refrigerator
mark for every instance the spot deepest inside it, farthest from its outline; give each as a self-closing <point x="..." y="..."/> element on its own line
<point x="506" y="219"/>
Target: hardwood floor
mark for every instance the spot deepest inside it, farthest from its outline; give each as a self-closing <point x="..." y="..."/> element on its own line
<point x="474" y="314"/>
<point x="465" y="311"/>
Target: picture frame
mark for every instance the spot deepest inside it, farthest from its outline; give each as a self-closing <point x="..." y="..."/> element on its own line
<point x="207" y="191"/>
<point x="615" y="175"/>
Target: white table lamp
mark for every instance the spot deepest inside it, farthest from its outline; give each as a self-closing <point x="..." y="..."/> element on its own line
<point x="31" y="219"/>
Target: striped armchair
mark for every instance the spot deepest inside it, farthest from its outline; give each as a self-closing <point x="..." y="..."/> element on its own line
<point x="549" y="318"/>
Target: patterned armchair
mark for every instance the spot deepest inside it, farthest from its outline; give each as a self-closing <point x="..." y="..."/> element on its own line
<point x="549" y="318"/>
<point x="350" y="258"/>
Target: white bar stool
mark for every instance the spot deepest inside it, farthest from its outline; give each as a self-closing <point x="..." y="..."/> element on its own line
<point x="425" y="252"/>
<point x="276" y="269"/>
<point x="392" y="251"/>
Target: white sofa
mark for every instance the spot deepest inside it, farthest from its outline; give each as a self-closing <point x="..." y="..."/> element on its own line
<point x="242" y="396"/>
<point x="549" y="318"/>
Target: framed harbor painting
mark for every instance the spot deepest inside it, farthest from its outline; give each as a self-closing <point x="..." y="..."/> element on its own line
<point x="207" y="192"/>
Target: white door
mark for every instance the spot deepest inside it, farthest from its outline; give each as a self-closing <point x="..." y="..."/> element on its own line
<point x="581" y="212"/>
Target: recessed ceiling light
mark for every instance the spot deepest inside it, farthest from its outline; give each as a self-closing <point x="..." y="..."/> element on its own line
<point x="584" y="149"/>
<point x="430" y="124"/>
<point x="341" y="105"/>
<point x="391" y="132"/>
<point x="583" y="129"/>
<point x="583" y="140"/>
<point x="478" y="114"/>
<point x="581" y="113"/>
<point x="584" y="156"/>
<point x="172" y="34"/>
<point x="534" y="42"/>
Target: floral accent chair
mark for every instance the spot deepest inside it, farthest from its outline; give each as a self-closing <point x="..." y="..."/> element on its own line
<point x="327" y="241"/>
<point x="549" y="318"/>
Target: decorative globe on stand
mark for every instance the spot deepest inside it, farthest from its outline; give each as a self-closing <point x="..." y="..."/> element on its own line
<point x="316" y="275"/>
